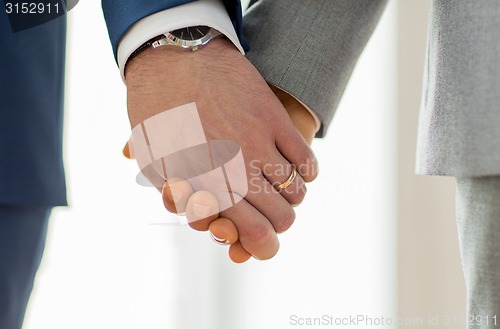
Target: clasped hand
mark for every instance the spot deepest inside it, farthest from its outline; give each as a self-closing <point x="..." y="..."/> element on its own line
<point x="234" y="103"/>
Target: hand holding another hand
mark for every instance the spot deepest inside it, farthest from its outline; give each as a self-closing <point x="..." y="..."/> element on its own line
<point x="235" y="104"/>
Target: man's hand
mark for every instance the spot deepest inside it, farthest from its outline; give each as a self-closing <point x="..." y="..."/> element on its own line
<point x="223" y="230"/>
<point x="234" y="103"/>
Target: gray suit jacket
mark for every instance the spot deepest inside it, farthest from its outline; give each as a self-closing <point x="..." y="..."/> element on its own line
<point x="310" y="47"/>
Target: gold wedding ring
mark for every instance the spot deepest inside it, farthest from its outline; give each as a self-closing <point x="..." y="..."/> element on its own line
<point x="288" y="182"/>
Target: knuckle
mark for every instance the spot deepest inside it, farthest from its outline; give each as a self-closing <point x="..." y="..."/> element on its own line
<point x="259" y="235"/>
<point x="286" y="221"/>
<point x="298" y="194"/>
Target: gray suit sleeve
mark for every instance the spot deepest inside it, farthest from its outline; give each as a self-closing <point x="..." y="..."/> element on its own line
<point x="309" y="47"/>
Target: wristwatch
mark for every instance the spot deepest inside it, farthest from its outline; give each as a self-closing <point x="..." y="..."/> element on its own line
<point x="191" y="37"/>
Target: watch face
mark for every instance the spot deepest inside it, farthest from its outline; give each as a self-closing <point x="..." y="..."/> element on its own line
<point x="191" y="33"/>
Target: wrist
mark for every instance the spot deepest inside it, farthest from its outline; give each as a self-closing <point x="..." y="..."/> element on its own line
<point x="153" y="59"/>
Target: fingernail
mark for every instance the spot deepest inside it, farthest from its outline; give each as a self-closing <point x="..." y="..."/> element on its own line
<point x="201" y="210"/>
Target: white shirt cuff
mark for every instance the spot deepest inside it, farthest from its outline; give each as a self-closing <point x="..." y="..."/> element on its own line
<point x="203" y="12"/>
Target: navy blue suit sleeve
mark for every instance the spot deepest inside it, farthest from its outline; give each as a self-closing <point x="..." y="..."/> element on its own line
<point x="121" y="15"/>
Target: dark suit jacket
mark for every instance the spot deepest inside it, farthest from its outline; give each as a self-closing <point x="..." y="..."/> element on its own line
<point x="31" y="116"/>
<point x="32" y="97"/>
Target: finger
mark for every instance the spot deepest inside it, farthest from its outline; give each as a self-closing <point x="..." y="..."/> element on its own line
<point x="202" y="208"/>
<point x="264" y="197"/>
<point x="279" y="172"/>
<point x="237" y="253"/>
<point x="175" y="194"/>
<point x="303" y="121"/>
<point x="223" y="231"/>
<point x="256" y="233"/>
<point x="294" y="148"/>
<point x="299" y="114"/>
